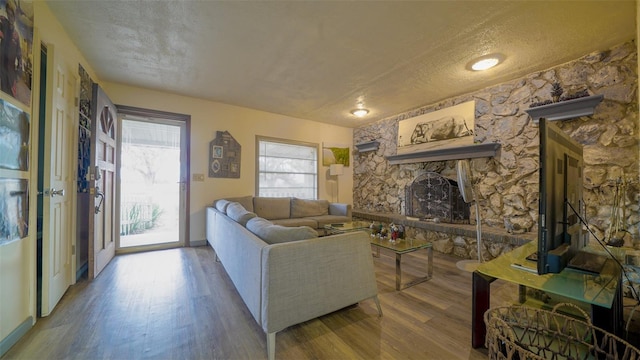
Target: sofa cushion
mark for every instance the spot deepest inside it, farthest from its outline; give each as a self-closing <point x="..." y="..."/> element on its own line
<point x="239" y="214"/>
<point x="222" y="204"/>
<point x="255" y="224"/>
<point x="272" y="207"/>
<point x="274" y="234"/>
<point x="304" y="208"/>
<point x="245" y="201"/>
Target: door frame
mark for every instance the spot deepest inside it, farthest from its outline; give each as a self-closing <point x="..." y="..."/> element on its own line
<point x="124" y="110"/>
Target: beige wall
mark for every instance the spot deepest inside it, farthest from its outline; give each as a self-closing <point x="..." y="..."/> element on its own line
<point x="244" y="124"/>
<point x="18" y="259"/>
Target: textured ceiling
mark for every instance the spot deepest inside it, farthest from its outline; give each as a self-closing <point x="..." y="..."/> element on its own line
<point x="315" y="59"/>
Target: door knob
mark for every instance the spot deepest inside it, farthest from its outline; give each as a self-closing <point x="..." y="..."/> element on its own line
<point x="100" y="195"/>
<point x="53" y="192"/>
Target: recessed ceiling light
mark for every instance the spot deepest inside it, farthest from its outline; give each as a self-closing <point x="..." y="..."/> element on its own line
<point x="359" y="112"/>
<point x="485" y="62"/>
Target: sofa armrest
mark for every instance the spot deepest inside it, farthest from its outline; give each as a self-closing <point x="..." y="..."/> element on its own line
<point x="340" y="209"/>
<point x="210" y="224"/>
<point x="302" y="280"/>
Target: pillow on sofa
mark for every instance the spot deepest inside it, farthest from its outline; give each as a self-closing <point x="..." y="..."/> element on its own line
<point x="273" y="234"/>
<point x="222" y="204"/>
<point x="272" y="208"/>
<point x="239" y="214"/>
<point x="245" y="201"/>
<point x="304" y="208"/>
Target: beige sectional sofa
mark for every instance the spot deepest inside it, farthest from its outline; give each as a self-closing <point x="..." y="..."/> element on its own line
<point x="288" y="274"/>
<point x="296" y="212"/>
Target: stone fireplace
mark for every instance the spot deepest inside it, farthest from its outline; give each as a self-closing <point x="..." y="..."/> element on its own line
<point x="507" y="184"/>
<point x="432" y="196"/>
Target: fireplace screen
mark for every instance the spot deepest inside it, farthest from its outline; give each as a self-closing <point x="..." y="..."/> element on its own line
<point x="432" y="196"/>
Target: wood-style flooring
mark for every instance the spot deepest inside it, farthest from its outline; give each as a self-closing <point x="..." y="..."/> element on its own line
<point x="180" y="304"/>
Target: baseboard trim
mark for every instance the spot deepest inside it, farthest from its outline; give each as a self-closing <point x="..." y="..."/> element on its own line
<point x="198" y="243"/>
<point x="15" y="335"/>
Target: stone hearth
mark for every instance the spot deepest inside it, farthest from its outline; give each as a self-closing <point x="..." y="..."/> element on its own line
<point x="455" y="239"/>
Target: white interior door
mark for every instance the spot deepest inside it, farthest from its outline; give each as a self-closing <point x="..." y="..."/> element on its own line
<point x="58" y="215"/>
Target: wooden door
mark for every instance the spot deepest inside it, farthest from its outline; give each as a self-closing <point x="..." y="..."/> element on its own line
<point x="102" y="248"/>
<point x="58" y="184"/>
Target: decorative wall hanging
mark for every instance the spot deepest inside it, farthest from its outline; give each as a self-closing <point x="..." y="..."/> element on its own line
<point x="335" y="154"/>
<point x="14" y="209"/>
<point x="224" y="156"/>
<point x="14" y="137"/>
<point x="84" y="129"/>
<point x="16" y="56"/>
<point x="450" y="127"/>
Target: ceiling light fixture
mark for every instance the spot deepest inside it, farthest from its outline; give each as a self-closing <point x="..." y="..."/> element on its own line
<point x="359" y="112"/>
<point x="485" y="62"/>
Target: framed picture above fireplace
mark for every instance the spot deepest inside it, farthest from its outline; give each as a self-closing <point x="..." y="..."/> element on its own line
<point x="449" y="127"/>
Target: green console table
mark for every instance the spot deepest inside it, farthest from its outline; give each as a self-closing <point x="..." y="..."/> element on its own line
<point x="603" y="292"/>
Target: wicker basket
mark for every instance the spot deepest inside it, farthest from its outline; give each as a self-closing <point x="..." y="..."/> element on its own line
<point x="520" y="332"/>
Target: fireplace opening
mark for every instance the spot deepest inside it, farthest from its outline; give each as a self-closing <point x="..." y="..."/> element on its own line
<point x="434" y="197"/>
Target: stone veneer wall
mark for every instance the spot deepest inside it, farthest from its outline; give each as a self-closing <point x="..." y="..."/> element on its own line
<point x="507" y="185"/>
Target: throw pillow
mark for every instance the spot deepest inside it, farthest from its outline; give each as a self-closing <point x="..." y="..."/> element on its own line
<point x="305" y="208"/>
<point x="222" y="204"/>
<point x="245" y="201"/>
<point x="258" y="225"/>
<point x="273" y="234"/>
<point x="239" y="214"/>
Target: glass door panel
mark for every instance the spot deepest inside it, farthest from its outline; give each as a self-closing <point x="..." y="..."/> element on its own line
<point x="151" y="188"/>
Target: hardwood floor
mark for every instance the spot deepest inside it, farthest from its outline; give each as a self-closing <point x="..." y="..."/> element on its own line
<point x="180" y="304"/>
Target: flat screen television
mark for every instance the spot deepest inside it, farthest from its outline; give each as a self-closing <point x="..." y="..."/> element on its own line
<point x="560" y="235"/>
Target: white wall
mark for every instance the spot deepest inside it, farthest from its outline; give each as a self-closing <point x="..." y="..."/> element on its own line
<point x="244" y="124"/>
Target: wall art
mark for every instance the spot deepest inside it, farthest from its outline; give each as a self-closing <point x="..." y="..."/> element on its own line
<point x="16" y="55"/>
<point x="84" y="129"/>
<point x="14" y="137"/>
<point x="450" y="127"/>
<point x="14" y="209"/>
<point x="224" y="156"/>
<point x="335" y="154"/>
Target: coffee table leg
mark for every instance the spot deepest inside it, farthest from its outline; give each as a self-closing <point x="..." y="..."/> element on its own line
<point x="398" y="271"/>
<point x="430" y="265"/>
<point x="399" y="285"/>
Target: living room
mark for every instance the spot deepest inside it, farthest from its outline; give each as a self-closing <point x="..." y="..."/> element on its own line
<point x="210" y="116"/>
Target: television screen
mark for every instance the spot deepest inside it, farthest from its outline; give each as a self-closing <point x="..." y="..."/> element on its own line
<point x="559" y="229"/>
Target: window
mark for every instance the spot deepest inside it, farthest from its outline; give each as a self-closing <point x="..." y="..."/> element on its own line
<point x="287" y="168"/>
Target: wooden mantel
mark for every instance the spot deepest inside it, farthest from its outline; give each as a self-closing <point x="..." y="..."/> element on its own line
<point x="453" y="153"/>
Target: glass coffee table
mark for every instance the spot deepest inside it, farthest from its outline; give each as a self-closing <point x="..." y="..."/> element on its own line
<point x="340" y="228"/>
<point x="404" y="246"/>
<point x="399" y="247"/>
